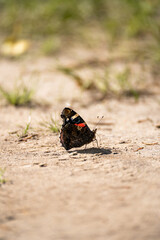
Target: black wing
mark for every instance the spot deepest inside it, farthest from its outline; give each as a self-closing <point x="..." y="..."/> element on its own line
<point x="74" y="136"/>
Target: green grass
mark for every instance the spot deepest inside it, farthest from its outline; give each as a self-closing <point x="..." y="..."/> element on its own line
<point x="125" y="18"/>
<point x="52" y="125"/>
<point x="50" y="46"/>
<point x="25" y="129"/>
<point x="82" y="83"/>
<point x="107" y="83"/>
<point x="125" y="84"/>
<point x="19" y="96"/>
<point x="2" y="178"/>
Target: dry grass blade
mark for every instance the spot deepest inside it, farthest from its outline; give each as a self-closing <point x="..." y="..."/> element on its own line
<point x="26" y="137"/>
<point x="145" y="120"/>
<point x="155" y="143"/>
<point x="140" y="148"/>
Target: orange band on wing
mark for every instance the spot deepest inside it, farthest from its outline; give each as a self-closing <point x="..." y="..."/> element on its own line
<point x="80" y="124"/>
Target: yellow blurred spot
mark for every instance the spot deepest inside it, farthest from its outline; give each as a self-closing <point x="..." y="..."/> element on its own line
<point x="14" y="48"/>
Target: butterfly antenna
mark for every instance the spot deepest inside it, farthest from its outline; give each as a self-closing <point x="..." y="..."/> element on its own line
<point x="99" y="121"/>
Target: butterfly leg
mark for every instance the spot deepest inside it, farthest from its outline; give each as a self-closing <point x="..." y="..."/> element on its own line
<point x="97" y="142"/>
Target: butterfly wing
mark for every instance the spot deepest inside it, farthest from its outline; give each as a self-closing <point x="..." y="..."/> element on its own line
<point x="75" y="136"/>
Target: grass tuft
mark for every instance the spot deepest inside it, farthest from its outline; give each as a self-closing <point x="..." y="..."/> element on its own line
<point x="82" y="83"/>
<point x="107" y="83"/>
<point x="125" y="84"/>
<point x="52" y="125"/>
<point x="19" y="96"/>
<point x="25" y="129"/>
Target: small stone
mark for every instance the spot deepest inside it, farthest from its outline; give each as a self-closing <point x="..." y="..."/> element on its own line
<point x="43" y="165"/>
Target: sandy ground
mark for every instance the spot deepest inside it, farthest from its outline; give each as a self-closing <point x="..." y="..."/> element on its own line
<point x="107" y="192"/>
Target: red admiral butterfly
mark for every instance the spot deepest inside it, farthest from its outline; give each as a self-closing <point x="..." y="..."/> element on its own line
<point x="74" y="131"/>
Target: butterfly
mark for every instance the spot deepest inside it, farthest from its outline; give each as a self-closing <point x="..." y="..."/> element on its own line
<point x="74" y="132"/>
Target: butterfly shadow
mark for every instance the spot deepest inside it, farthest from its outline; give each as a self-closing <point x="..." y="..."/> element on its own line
<point x="93" y="150"/>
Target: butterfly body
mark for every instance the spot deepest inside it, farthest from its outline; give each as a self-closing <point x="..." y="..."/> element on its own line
<point x="74" y="132"/>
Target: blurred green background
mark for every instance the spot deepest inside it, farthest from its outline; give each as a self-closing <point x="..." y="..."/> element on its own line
<point x="125" y="18"/>
<point x="136" y="22"/>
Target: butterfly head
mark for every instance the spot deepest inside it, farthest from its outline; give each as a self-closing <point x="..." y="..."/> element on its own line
<point x="66" y="114"/>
